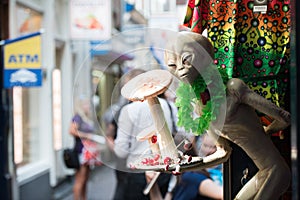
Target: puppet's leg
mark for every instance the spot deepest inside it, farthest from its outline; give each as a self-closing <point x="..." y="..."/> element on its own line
<point x="269" y="183"/>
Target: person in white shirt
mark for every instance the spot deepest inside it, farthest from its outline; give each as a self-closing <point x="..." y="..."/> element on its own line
<point x="135" y="118"/>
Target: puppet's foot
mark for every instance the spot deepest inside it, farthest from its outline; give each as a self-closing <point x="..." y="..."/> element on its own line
<point x="220" y="153"/>
<point x="220" y="156"/>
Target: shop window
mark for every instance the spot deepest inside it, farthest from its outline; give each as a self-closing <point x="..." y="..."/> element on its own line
<point x="56" y="104"/>
<point x="28" y="20"/>
<point x="27" y="133"/>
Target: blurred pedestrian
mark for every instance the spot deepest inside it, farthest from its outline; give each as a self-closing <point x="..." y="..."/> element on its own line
<point x="110" y="119"/>
<point x="81" y="128"/>
<point x="135" y="118"/>
<point x="111" y="115"/>
<point x="196" y="185"/>
<point x="155" y="192"/>
<point x="199" y="185"/>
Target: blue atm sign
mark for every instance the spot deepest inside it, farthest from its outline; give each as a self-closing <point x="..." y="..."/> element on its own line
<point x="23" y="58"/>
<point x="22" y="61"/>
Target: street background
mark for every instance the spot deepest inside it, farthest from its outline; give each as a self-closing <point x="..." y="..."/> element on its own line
<point x="101" y="185"/>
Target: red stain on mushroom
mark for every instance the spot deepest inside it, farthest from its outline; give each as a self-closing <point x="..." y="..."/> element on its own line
<point x="167" y="160"/>
<point x="154" y="139"/>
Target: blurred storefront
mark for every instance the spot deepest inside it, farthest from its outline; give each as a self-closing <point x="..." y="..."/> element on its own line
<point x="40" y="115"/>
<point x="38" y="122"/>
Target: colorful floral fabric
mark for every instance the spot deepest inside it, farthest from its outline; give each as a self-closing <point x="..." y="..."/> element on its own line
<point x="249" y="45"/>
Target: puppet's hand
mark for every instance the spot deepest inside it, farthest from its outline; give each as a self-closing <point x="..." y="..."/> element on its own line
<point x="265" y="128"/>
<point x="222" y="153"/>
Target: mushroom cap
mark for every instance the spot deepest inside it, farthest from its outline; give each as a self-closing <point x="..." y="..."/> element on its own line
<point x="148" y="84"/>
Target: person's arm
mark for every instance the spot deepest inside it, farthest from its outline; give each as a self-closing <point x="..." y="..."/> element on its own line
<point x="210" y="189"/>
<point x="122" y="141"/>
<point x="171" y="186"/>
<point x="154" y="193"/>
<point x="84" y="135"/>
<point x="110" y="130"/>
<point x="110" y="135"/>
<point x="73" y="129"/>
<point x="76" y="121"/>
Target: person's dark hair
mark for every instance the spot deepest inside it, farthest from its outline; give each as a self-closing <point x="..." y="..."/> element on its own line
<point x="126" y="77"/>
<point x="131" y="74"/>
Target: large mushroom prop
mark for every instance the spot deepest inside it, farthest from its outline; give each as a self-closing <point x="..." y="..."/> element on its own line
<point x="148" y="86"/>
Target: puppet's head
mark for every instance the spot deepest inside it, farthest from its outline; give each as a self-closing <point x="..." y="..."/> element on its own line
<point x="189" y="55"/>
<point x="202" y="91"/>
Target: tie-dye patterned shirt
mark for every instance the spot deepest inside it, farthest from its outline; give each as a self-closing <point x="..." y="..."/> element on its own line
<point x="249" y="45"/>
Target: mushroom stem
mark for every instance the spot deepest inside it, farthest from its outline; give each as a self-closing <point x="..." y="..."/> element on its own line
<point x="165" y="139"/>
<point x="154" y="147"/>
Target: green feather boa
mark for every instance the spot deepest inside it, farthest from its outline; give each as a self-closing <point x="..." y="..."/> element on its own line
<point x="188" y="96"/>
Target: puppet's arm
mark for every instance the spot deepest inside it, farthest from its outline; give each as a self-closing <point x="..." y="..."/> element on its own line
<point x="247" y="96"/>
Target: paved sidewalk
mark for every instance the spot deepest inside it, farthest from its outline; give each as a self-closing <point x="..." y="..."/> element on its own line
<point x="101" y="184"/>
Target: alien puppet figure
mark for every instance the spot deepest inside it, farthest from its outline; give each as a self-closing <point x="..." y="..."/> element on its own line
<point x="189" y="57"/>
